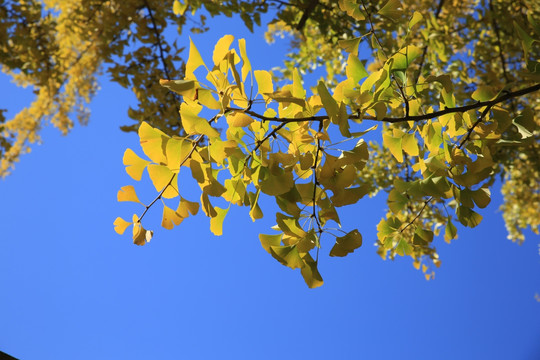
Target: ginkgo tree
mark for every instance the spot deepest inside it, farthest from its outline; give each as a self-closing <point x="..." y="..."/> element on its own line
<point x="245" y="138"/>
<point x="447" y="92"/>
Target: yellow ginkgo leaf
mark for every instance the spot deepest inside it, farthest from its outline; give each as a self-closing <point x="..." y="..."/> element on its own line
<point x="246" y="66"/>
<point x="162" y="177"/>
<point x="264" y="83"/>
<point x="127" y="193"/>
<point x="194" y="60"/>
<point x="239" y="119"/>
<point x="216" y="222"/>
<point x="120" y="225"/>
<point x="186" y="207"/>
<point x="194" y="124"/>
<point x="134" y="164"/>
<point x="222" y="48"/>
<point x="153" y="143"/>
<point x="177" y="151"/>
<point x="170" y="218"/>
<point x="140" y="235"/>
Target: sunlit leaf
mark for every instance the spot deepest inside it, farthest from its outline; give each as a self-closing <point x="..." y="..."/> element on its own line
<point x="134" y="164"/>
<point x="287" y="255"/>
<point x="222" y="48"/>
<point x="170" y="218"/>
<point x="120" y="225"/>
<point x="153" y="143"/>
<point x="390" y="9"/>
<point x="127" y="193"/>
<point x="216" y="222"/>
<point x="239" y="119"/>
<point x="194" y="60"/>
<point x="163" y="179"/>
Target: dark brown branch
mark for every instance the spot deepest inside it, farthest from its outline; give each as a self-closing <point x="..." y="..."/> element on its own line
<point x="415" y="118"/>
<point x="417" y="215"/>
<point x="498" y="40"/>
<point x="158" y="38"/>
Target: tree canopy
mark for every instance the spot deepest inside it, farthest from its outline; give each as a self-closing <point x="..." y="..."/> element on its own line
<point x="426" y="102"/>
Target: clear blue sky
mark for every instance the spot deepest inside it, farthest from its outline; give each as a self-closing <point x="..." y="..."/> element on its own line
<point x="74" y="289"/>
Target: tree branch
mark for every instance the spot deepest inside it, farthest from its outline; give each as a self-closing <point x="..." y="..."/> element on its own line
<point x="415" y="118"/>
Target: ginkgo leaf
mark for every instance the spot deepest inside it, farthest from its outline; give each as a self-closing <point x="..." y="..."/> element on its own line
<point x="352" y="8"/>
<point x="391" y="10"/>
<point x="162" y="177"/>
<point x="350" y="45"/>
<point x="182" y="87"/>
<point x="134" y="164"/>
<point x="177" y="152"/>
<point x="153" y="143"/>
<point x="267" y="241"/>
<point x="222" y="48"/>
<point x="140" y="235"/>
<point x="481" y="197"/>
<point x="120" y="225"/>
<point x="193" y="124"/>
<point x="404" y="248"/>
<point x="404" y="57"/>
<point x="397" y="201"/>
<point x="310" y="273"/>
<point x="264" y="83"/>
<point x="415" y="19"/>
<point x="410" y="144"/>
<point x="127" y="193"/>
<point x="239" y="119"/>
<point x="179" y="8"/>
<point x="170" y="218"/>
<point x="329" y="103"/>
<point x="194" y="60"/>
<point x="186" y="207"/>
<point x="246" y="66"/>
<point x="287" y="255"/>
<point x="290" y="226"/>
<point x="450" y="232"/>
<point x="216" y="222"/>
<point x="347" y="244"/>
<point x="468" y="217"/>
<point x="355" y="69"/>
<point x="394" y="145"/>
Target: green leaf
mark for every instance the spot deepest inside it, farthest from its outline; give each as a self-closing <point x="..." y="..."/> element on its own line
<point x="350" y="45"/>
<point x="468" y="217"/>
<point x="355" y="69"/>
<point x="352" y="9"/>
<point x="403" y="58"/>
<point x="415" y="19"/>
<point x="347" y="244"/>
<point x="397" y="201"/>
<point x="404" y="248"/>
<point x="390" y="10"/>
<point x="450" y="232"/>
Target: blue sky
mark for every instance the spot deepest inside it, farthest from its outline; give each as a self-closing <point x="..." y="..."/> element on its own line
<point x="74" y="289"/>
